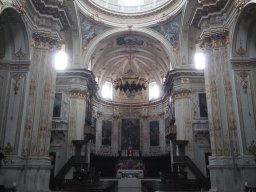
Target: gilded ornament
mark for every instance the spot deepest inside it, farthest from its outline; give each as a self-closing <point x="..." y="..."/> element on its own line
<point x="181" y="94"/>
<point x="240" y="4"/>
<point x="78" y="94"/>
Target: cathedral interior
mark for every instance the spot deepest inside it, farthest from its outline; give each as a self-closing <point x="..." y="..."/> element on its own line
<point x="97" y="92"/>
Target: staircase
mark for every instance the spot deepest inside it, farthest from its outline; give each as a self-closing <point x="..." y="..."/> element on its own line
<point x="187" y="162"/>
<point x="74" y="161"/>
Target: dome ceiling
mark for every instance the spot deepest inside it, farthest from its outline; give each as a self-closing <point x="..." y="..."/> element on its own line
<point x="126" y="52"/>
<point x="114" y="13"/>
<point x="130" y="6"/>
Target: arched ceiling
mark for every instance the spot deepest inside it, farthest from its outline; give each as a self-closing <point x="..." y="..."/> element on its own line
<point x="136" y="52"/>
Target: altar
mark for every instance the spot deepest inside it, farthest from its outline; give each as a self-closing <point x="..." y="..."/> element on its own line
<point x="129" y="173"/>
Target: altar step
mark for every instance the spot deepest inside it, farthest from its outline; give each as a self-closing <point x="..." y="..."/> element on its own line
<point x="129" y="185"/>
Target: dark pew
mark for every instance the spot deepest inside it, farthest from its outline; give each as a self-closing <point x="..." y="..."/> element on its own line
<point x="75" y="186"/>
<point x="188" y="185"/>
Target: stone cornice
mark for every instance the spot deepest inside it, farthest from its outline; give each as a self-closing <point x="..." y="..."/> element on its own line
<point x="54" y="10"/>
<point x="215" y="39"/>
<point x="178" y="73"/>
<point x="205" y="8"/>
<point x="84" y="74"/>
<point x="15" y="67"/>
<point x="243" y="64"/>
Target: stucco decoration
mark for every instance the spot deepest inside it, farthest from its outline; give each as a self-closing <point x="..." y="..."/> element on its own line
<point x="170" y="30"/>
<point x="90" y="28"/>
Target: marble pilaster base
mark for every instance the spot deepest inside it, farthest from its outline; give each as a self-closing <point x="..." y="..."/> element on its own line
<point x="231" y="174"/>
<point x="32" y="175"/>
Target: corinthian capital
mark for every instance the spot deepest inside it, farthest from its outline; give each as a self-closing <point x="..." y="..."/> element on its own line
<point x="43" y="41"/>
<point x="215" y="40"/>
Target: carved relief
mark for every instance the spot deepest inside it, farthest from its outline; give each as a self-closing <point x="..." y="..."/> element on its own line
<point x="244" y="80"/>
<point x="228" y="88"/>
<point x="213" y="90"/>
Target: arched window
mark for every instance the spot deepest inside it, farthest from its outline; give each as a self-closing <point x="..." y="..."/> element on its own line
<point x="106" y="90"/>
<point x="154" y="91"/>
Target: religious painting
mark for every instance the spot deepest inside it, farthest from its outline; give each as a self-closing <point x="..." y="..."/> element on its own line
<point x="130" y="134"/>
<point x="57" y="105"/>
<point x="129" y="40"/>
<point x="154" y="133"/>
<point x="106" y="132"/>
<point x="90" y="28"/>
<point x="203" y="105"/>
<point x="170" y="30"/>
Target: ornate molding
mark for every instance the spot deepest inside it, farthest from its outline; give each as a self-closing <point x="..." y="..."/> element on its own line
<point x="84" y="74"/>
<point x="215" y="40"/>
<point x="242" y="64"/>
<point x="244" y="80"/>
<point x="205" y="8"/>
<point x="161" y="115"/>
<point x="44" y="41"/>
<point x="15" y="67"/>
<point x="115" y="116"/>
<point x="179" y="73"/>
<point x="181" y="94"/>
<point x="78" y="94"/>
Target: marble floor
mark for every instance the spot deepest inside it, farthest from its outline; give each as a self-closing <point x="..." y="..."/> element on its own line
<point x="129" y="185"/>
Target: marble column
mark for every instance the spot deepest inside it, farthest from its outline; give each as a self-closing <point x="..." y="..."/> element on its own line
<point x="227" y="169"/>
<point x="76" y="120"/>
<point x="39" y="107"/>
<point x="183" y="118"/>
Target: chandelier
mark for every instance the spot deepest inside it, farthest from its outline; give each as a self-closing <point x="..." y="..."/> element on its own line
<point x="130" y="82"/>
